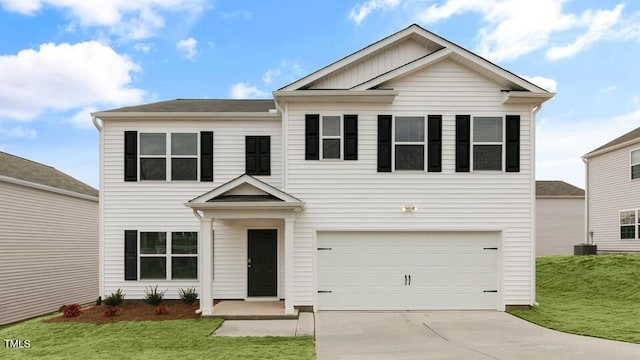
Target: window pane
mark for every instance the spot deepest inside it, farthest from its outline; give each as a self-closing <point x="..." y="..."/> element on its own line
<point x="409" y="157"/>
<point x="331" y="149"/>
<point x="184" y="169"/>
<point x="487" y="129"/>
<point x="628" y="217"/>
<point x="153" y="144"/>
<point x="184" y="144"/>
<point x="184" y="243"/>
<point x="153" y="169"/>
<point x="153" y="243"/>
<point x="153" y="267"/>
<point x="331" y="126"/>
<point x="410" y="129"/>
<point x="635" y="157"/>
<point x="627" y="232"/>
<point x="635" y="171"/>
<point x="184" y="267"/>
<point x="487" y="157"/>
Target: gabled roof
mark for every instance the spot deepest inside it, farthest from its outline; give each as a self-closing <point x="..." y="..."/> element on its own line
<point x="630" y="138"/>
<point x="15" y="167"/>
<point x="245" y="191"/>
<point x="557" y="189"/>
<point x="440" y="48"/>
<point x="202" y="105"/>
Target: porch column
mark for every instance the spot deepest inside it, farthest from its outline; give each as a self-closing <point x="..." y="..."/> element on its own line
<point x="288" y="266"/>
<point x="206" y="267"/>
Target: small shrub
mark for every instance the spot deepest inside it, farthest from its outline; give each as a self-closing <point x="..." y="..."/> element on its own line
<point x="99" y="301"/>
<point x="115" y="299"/>
<point x="111" y="311"/>
<point x="61" y="308"/>
<point x="152" y="296"/>
<point x="161" y="309"/>
<point x="189" y="296"/>
<point x="71" y="310"/>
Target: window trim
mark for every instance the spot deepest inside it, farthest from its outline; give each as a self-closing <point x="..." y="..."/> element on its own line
<point x="168" y="156"/>
<point x="635" y="225"/>
<point x="394" y="143"/>
<point x="168" y="255"/>
<point x="330" y="137"/>
<point x="502" y="144"/>
<point x="631" y="164"/>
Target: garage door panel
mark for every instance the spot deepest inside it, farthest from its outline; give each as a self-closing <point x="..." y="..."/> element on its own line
<point x="366" y="270"/>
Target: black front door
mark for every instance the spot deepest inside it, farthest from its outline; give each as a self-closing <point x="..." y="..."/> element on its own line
<point x="262" y="262"/>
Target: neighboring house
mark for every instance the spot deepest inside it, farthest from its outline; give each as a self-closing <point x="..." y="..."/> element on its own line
<point x="559" y="217"/>
<point x="48" y="242"/>
<point x="613" y="194"/>
<point x="399" y="177"/>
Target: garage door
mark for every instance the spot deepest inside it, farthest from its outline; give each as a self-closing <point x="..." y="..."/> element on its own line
<point x="407" y="270"/>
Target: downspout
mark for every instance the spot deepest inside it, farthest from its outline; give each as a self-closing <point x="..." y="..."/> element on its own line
<point x="99" y="127"/>
<point x="195" y="213"/>
<point x="534" y="113"/>
<point x="285" y="142"/>
<point x="586" y="202"/>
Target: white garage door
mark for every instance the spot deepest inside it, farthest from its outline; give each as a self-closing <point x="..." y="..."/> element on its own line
<point x="407" y="270"/>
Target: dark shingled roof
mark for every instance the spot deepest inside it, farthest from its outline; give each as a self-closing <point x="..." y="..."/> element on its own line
<point x="631" y="135"/>
<point x="18" y="168"/>
<point x="557" y="188"/>
<point x="202" y="105"/>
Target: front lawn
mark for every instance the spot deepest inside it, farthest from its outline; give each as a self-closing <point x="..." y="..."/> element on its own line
<point x="588" y="295"/>
<point x="170" y="339"/>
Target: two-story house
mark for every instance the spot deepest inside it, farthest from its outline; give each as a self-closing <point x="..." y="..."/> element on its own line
<point x="613" y="194"/>
<point x="399" y="177"/>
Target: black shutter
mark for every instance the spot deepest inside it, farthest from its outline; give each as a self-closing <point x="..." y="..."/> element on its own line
<point x="312" y="137"/>
<point x="463" y="142"/>
<point x="130" y="156"/>
<point x="258" y="155"/>
<point x="206" y="156"/>
<point x="384" y="143"/>
<point x="513" y="143"/>
<point x="434" y="138"/>
<point x="351" y="137"/>
<point x="131" y="255"/>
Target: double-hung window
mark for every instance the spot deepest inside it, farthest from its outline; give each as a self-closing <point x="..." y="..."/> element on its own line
<point x="629" y="225"/>
<point x="184" y="156"/>
<point x="153" y="156"/>
<point x="487" y="143"/>
<point x="409" y="143"/>
<point x="331" y="138"/>
<point x="635" y="164"/>
<point x="159" y="253"/>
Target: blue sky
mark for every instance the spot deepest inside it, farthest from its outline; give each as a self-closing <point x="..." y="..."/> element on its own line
<point x="62" y="59"/>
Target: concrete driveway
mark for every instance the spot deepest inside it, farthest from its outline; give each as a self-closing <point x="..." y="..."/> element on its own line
<point x="468" y="335"/>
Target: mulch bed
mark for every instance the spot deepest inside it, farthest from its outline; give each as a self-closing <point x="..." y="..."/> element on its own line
<point x="132" y="311"/>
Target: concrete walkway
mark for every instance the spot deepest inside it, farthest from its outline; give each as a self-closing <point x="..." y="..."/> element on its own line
<point x="302" y="326"/>
<point x="472" y="335"/>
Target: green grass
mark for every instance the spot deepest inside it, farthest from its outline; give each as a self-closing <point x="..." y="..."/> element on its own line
<point x="170" y="339"/>
<point x="588" y="295"/>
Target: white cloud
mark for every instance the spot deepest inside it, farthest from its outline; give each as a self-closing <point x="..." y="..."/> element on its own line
<point x="599" y="26"/>
<point x="543" y="82"/>
<point x="238" y="14"/>
<point x="143" y="47"/>
<point x="19" y="132"/>
<point x="188" y="47"/>
<point x="65" y="77"/>
<point x="287" y="70"/>
<point x="561" y="144"/>
<point x="270" y="74"/>
<point x="246" y="91"/>
<point x="359" y="12"/>
<point x="608" y="89"/>
<point x="130" y="19"/>
<point x="82" y="119"/>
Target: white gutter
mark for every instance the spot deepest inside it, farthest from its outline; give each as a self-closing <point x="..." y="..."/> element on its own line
<point x="99" y="127"/>
<point x="195" y="213"/>
<point x="185" y="115"/>
<point x="95" y="123"/>
<point x="534" y="112"/>
<point x="586" y="200"/>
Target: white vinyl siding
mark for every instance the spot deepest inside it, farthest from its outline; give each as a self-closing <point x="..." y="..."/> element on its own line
<point x="159" y="205"/>
<point x="559" y="225"/>
<point x="48" y="251"/>
<point x="610" y="190"/>
<point x="354" y="196"/>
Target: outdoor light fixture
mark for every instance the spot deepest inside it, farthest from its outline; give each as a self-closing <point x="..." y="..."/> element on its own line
<point x="409" y="208"/>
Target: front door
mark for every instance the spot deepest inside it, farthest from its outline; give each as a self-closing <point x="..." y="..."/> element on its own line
<point x="262" y="262"/>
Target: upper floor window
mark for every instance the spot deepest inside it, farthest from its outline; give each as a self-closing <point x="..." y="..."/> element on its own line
<point x="487" y="142"/>
<point x="629" y="225"/>
<point x="153" y="156"/>
<point x="160" y="154"/>
<point x="184" y="156"/>
<point x="635" y="164"/>
<point x="409" y="143"/>
<point x="331" y="137"/>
